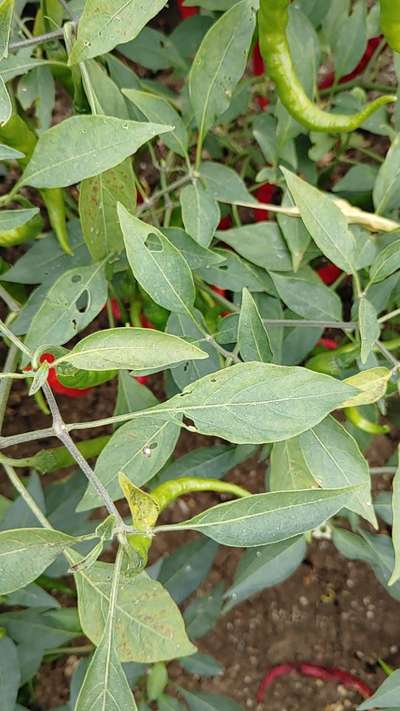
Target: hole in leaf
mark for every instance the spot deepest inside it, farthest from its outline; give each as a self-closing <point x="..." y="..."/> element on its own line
<point x="223" y="267"/>
<point x="186" y="367"/>
<point x="76" y="278"/>
<point x="83" y="303"/>
<point x="153" y="243"/>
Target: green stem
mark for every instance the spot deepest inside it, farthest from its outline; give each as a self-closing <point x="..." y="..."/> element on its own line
<point x="5" y="385"/>
<point x="389" y="316"/>
<point x="25" y="495"/>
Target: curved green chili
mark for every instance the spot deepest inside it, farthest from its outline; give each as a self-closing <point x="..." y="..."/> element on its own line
<point x="73" y="377"/>
<point x="354" y="416"/>
<point x="51" y="460"/>
<point x="17" y="134"/>
<point x="166" y="493"/>
<point x="273" y="22"/>
<point x="333" y="362"/>
<point x="390" y="23"/>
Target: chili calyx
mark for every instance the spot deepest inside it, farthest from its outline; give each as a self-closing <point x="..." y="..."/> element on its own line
<point x="317" y="672"/>
<point x="56" y="386"/>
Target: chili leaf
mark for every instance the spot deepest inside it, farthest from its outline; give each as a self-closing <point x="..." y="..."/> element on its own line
<point x="260" y="402"/>
<point x="98" y="198"/>
<point x="387" y="262"/>
<point x="304" y="293"/>
<point x="200" y="213"/>
<point x="6" y="18"/>
<point x="106" y="23"/>
<point x="10" y="674"/>
<point x="5" y="103"/>
<point x="396" y="526"/>
<point x="288" y="468"/>
<point x="369" y="327"/>
<point x="178" y="573"/>
<point x="264" y="567"/>
<point x="220" y="62"/>
<point x="157" y="264"/>
<point x="334" y="460"/>
<point x="140" y="350"/>
<point x="324" y="221"/>
<point x="69" y="306"/>
<point x="83" y="146"/>
<point x="11" y="219"/>
<point x="253" y="338"/>
<point x="139" y="449"/>
<point x="261" y="243"/>
<point x="387" y="696"/>
<point x="157" y="109"/>
<point x="25" y="553"/>
<point x="148" y="625"/>
<point x="386" y="190"/>
<point x="263" y="519"/>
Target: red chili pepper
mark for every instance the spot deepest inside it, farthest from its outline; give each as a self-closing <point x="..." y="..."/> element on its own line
<point x="186" y="11"/>
<point x="258" y="67"/>
<point x="317" y="672"/>
<point x="329" y="273"/>
<point x="264" y="193"/>
<point x="116" y="311"/>
<point x="55" y="384"/>
<point x="329" y="79"/>
<point x="225" y="223"/>
<point x="328" y="343"/>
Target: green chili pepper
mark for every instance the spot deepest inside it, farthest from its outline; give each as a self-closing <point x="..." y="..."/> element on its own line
<point x="273" y="22"/>
<point x="73" y="377"/>
<point x="169" y="491"/>
<point x="17" y="134"/>
<point x="334" y="362"/>
<point x="21" y="234"/>
<point x="51" y="460"/>
<point x="354" y="416"/>
<point x="390" y="23"/>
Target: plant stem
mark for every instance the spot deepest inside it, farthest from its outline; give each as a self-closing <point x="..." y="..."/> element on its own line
<point x="31" y="41"/>
<point x="5" y="385"/>
<point x="25" y="495"/>
<point x="61" y="432"/>
<point x="80" y="651"/>
<point x="387" y="354"/>
<point x="14" y="339"/>
<point x="149" y="202"/>
<point x="9" y="300"/>
<point x="389" y="316"/>
<point x="383" y="470"/>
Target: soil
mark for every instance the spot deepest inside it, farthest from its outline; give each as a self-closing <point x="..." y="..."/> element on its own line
<point x="331" y="611"/>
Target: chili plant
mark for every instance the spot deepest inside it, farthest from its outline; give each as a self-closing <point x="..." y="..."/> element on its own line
<point x="219" y="206"/>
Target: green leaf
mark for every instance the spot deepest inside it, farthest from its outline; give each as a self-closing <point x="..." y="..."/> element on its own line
<point x="11" y="219"/>
<point x="235" y="273"/>
<point x="396" y="526"/>
<point x="135" y="349"/>
<point x="372" y="384"/>
<point x="369" y="327"/>
<point x="260" y="243"/>
<point x="335" y="460"/>
<point x="17" y="64"/>
<point x="6" y="18"/>
<point x="132" y="396"/>
<point x="181" y="325"/>
<point x="306" y="295"/>
<point x="386" y="190"/>
<point x="8" y="153"/>
<point x="202" y="613"/>
<point x="253" y="338"/>
<point x="259" y="402"/>
<point x="168" y="703"/>
<point x="25" y="553"/>
<point x="387" y="262"/>
<point x="105" y="685"/>
<point x="324" y="221"/>
<point x="220" y="63"/>
<point x="154" y="50"/>
<point x="200" y="213"/>
<point x="264" y="567"/>
<point x="212" y="462"/>
<point x="139" y="449"/>
<point x="262" y="519"/>
<point x="106" y="23"/>
<point x="148" y="625"/>
<point x="10" y="674"/>
<point x="157" y="680"/>
<point x="351" y="41"/>
<point x="201" y="701"/>
<point x="98" y="198"/>
<point x="201" y="664"/>
<point x="5" y="101"/>
<point x="42" y="629"/>
<point x="288" y="468"/>
<point x="157" y="265"/>
<point x="182" y="571"/>
<point x="70" y="305"/>
<point x="387" y="695"/>
<point x="158" y="109"/>
<point x="195" y="255"/>
<point x="295" y="233"/>
<point x="225" y="184"/>
<point x="83" y="146"/>
<point x="104" y="93"/>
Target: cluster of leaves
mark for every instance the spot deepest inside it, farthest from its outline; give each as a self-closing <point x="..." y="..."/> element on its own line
<point x="171" y="146"/>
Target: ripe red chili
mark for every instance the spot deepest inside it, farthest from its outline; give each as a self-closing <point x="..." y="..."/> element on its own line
<point x="317" y="672"/>
<point x="186" y="11"/>
<point x="329" y="79"/>
<point x="55" y="384"/>
<point x="264" y="193"/>
<point x="328" y="343"/>
<point x="329" y="273"/>
<point x="258" y="68"/>
<point x="225" y="223"/>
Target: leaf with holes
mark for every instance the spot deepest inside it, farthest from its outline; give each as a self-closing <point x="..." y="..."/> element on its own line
<point x="70" y="305"/>
<point x="157" y="265"/>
